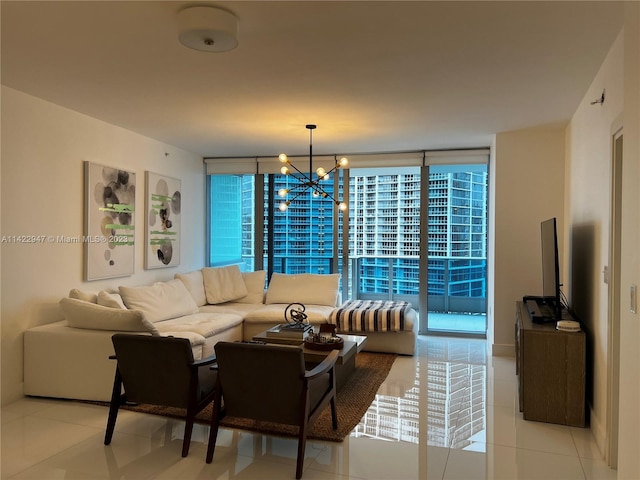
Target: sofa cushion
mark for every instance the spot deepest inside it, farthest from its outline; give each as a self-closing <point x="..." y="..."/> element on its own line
<point x="305" y="288"/>
<point x="160" y="301"/>
<point x="194" y="338"/>
<point x="255" y="285"/>
<point x="195" y="284"/>
<point x="112" y="300"/>
<point x="81" y="314"/>
<point x="232" y="307"/>
<point x="90" y="297"/>
<point x="223" y="284"/>
<point x="205" y="324"/>
<point x="274" y="314"/>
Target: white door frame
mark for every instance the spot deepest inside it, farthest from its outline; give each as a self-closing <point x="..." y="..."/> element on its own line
<point x="614" y="299"/>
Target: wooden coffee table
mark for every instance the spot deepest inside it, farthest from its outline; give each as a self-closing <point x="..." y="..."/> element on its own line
<point x="346" y="362"/>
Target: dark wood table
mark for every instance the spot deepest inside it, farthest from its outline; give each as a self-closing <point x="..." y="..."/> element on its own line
<point x="346" y="362"/>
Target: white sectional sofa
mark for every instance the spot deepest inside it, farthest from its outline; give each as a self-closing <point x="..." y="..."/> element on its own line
<point x="69" y="358"/>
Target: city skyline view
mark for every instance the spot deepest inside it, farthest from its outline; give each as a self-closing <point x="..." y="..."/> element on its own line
<point x="384" y="232"/>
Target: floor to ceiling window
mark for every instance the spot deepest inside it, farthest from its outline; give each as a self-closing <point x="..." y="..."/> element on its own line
<point x="231" y="222"/>
<point x="384" y="233"/>
<point x="301" y="238"/>
<point x="385" y="254"/>
<point x="457" y="251"/>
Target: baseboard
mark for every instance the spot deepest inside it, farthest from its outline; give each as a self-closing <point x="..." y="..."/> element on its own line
<point x="503" y="350"/>
<point x="598" y="431"/>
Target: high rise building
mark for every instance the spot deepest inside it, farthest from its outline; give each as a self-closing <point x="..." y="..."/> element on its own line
<point x="384" y="230"/>
<point x="303" y="234"/>
<point x="385" y="223"/>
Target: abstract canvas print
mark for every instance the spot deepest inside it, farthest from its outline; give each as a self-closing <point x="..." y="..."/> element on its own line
<point x="162" y="248"/>
<point x="110" y="197"/>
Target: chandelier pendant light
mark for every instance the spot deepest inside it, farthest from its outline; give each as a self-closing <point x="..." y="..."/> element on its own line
<point x="306" y="182"/>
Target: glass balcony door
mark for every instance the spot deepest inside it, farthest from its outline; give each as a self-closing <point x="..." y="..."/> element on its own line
<point x="457" y="249"/>
<point x="385" y="215"/>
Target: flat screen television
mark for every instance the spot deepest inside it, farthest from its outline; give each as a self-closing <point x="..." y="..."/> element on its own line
<point x="551" y="267"/>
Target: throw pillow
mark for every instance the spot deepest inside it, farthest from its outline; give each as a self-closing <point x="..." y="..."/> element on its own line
<point x="255" y="285"/>
<point x="84" y="296"/>
<point x="160" y="301"/>
<point x="112" y="300"/>
<point x="305" y="288"/>
<point x="81" y="314"/>
<point x="223" y="284"/>
<point x="195" y="284"/>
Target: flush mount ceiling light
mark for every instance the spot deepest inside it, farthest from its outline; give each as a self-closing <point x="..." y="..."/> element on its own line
<point x="208" y="29"/>
<point x="309" y="182"/>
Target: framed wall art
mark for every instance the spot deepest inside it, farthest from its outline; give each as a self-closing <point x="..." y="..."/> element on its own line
<point x="109" y="223"/>
<point x="163" y="204"/>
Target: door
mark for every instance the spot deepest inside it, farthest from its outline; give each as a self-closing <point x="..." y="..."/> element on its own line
<point x="457" y="249"/>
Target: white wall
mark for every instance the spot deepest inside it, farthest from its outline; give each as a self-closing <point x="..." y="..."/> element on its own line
<point x="629" y="405"/>
<point x="523" y="161"/>
<point x="588" y="202"/>
<point x="43" y="149"/>
<point x="528" y="173"/>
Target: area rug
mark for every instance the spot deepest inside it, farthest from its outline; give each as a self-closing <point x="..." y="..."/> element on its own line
<point x="352" y="402"/>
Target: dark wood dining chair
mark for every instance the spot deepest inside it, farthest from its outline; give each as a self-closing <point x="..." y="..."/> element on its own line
<point x="160" y="371"/>
<point x="269" y="383"/>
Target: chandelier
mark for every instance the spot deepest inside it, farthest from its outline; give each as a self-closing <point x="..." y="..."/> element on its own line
<point x="307" y="182"/>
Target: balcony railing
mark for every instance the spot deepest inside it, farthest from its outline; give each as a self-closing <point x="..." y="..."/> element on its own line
<point x="456" y="284"/>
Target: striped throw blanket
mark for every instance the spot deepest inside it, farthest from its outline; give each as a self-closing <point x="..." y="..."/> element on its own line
<point x="370" y="316"/>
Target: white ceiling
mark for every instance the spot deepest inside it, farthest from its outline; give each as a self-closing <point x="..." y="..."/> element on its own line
<point x="374" y="76"/>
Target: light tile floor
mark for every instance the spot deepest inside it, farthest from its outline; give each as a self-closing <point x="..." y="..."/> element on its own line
<point x="450" y="412"/>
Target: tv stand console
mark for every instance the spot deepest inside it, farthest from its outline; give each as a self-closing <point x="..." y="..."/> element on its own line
<point x="551" y="369"/>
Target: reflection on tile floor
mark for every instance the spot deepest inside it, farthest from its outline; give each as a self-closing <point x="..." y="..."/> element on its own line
<point x="450" y="412"/>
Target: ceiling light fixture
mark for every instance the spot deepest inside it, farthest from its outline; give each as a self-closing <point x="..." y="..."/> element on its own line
<point x="307" y="182"/>
<point x="208" y="29"/>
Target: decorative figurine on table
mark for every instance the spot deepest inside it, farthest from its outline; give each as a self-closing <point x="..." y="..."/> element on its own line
<point x="295" y="317"/>
<point x="327" y="329"/>
<point x="325" y="339"/>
